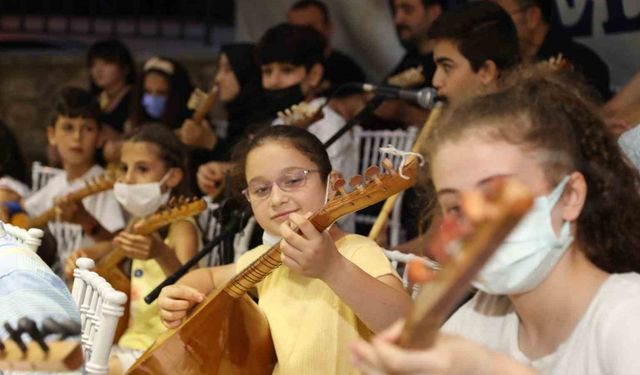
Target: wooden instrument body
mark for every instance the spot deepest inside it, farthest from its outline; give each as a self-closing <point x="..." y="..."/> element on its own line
<point x="97" y="185"/>
<point x="62" y="356"/>
<point x="235" y="339"/>
<point x="226" y="333"/>
<point x="110" y="266"/>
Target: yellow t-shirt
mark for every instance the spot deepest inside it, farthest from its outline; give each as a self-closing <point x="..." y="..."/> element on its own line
<point x="310" y="326"/>
<point x="144" y="320"/>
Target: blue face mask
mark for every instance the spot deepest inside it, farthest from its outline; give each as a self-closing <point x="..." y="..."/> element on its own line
<point x="154" y="104"/>
<point x="529" y="253"/>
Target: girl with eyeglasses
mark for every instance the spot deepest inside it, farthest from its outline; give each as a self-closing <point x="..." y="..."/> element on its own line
<point x="332" y="287"/>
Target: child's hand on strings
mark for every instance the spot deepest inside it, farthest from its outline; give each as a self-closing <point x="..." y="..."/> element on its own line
<point x="197" y="135"/>
<point x="138" y="246"/>
<point x="175" y="301"/>
<point x="211" y="175"/>
<point x="95" y="252"/>
<point x="71" y="212"/>
<point x="311" y="253"/>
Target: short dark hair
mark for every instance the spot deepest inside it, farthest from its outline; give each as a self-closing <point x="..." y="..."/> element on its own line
<point x="482" y="31"/>
<point x="73" y="101"/>
<point x="443" y="3"/>
<point x="297" y="45"/>
<point x="543" y="5"/>
<point x="114" y="51"/>
<point x="322" y="7"/>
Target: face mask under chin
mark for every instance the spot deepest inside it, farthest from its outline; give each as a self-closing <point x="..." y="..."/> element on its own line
<point x="280" y="99"/>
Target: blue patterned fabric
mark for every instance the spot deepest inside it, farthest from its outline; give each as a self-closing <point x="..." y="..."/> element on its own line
<point x="29" y="288"/>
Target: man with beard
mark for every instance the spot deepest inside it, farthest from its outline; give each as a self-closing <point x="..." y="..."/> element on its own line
<point x="540" y="41"/>
<point x="413" y="19"/>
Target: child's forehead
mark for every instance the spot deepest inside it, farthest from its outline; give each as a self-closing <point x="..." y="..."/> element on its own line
<point x="74" y="120"/>
<point x="140" y="146"/>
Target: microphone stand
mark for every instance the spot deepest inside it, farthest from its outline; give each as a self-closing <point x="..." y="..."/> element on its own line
<point x="358" y="118"/>
<point x="226" y="234"/>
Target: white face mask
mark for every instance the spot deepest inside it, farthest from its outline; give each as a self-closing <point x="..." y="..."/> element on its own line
<point x="141" y="200"/>
<point x="530" y="251"/>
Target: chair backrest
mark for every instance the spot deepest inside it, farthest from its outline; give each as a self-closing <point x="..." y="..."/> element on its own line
<point x="100" y="307"/>
<point x="210" y="227"/>
<point x="41" y="174"/>
<point x="369" y="143"/>
<point x="31" y="238"/>
<point x="68" y="239"/>
<point x="399" y="261"/>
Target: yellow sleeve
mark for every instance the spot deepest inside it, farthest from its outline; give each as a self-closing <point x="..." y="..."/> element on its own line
<point x="366" y="254"/>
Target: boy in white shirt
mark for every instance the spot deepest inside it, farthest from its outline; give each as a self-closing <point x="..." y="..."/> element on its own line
<point x="75" y="134"/>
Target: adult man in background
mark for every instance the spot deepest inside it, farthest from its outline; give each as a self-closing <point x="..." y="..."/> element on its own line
<point x="540" y="41"/>
<point x="339" y="68"/>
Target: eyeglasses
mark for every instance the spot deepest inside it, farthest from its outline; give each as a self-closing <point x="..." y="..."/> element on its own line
<point x="290" y="180"/>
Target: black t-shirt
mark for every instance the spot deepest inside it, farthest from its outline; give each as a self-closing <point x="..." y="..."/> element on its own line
<point x="583" y="59"/>
<point x="119" y="115"/>
<point x="340" y="69"/>
<point x="413" y="59"/>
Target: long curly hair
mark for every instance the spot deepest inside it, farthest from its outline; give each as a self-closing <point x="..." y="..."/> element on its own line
<point x="543" y="109"/>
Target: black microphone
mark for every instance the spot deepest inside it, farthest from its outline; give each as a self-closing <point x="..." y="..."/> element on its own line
<point x="425" y="98"/>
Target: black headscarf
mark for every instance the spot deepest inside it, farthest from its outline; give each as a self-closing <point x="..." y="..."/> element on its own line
<point x="248" y="107"/>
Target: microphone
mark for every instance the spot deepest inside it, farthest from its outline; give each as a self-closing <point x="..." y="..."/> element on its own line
<point x="425" y="98"/>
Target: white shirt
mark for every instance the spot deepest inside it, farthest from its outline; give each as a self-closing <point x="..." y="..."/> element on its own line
<point x="605" y="341"/>
<point x="629" y="142"/>
<point x="102" y="206"/>
<point x="10" y="183"/>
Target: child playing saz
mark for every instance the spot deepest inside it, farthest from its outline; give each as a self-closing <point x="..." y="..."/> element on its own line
<point x="332" y="286"/>
<point x="561" y="295"/>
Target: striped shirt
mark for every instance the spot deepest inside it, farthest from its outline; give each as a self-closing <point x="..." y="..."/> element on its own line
<point x="28" y="288"/>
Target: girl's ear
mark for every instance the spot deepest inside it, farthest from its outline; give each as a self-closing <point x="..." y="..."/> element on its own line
<point x="574" y="197"/>
<point x="175" y="176"/>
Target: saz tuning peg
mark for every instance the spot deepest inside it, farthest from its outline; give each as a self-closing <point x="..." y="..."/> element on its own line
<point x="196" y="99"/>
<point x="29" y="326"/>
<point x="372" y="173"/>
<point x="301" y="115"/>
<point x="356" y="181"/>
<point x="408" y="78"/>
<point x="338" y="186"/>
<point x="15" y="335"/>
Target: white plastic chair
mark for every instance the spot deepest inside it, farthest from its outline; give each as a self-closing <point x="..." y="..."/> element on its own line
<point x="31" y="238"/>
<point x="69" y="237"/>
<point x="41" y="174"/>
<point x="369" y="142"/>
<point x="100" y="307"/>
<point x="399" y="261"/>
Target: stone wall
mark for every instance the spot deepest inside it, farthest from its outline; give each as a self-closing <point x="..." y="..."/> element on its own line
<point x="30" y="80"/>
